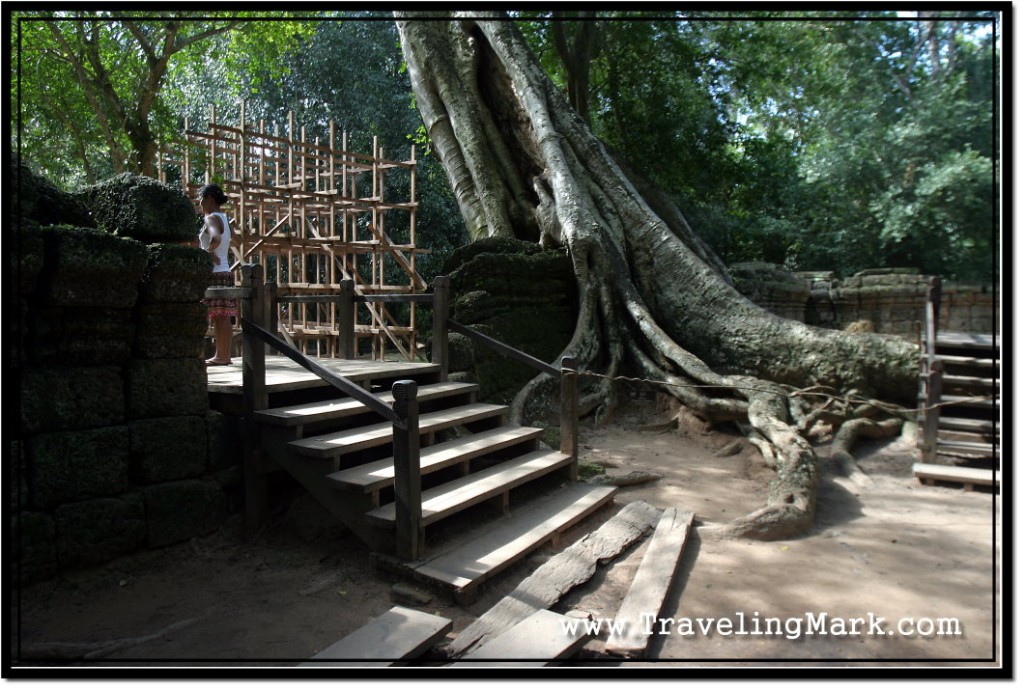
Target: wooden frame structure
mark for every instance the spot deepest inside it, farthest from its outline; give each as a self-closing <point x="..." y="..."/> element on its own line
<point x="315" y="215"/>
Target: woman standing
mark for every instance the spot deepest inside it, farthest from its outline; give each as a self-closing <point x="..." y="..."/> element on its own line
<point x="215" y="238"/>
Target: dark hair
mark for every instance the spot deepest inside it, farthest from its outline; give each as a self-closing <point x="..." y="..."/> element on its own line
<point x="213" y="191"/>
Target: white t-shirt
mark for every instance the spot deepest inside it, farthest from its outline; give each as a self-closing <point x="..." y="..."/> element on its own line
<point x="225" y="241"/>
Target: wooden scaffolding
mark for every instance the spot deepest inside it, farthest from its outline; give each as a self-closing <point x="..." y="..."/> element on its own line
<point x="314" y="214"/>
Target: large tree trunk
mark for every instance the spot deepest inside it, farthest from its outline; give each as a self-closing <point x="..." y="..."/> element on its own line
<point x="654" y="301"/>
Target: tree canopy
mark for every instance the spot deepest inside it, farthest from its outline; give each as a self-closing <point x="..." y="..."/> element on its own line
<point x="815" y="140"/>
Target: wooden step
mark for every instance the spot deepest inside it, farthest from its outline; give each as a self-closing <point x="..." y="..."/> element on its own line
<point x="440" y="502"/>
<point x="964" y="424"/>
<point x="954" y="339"/>
<point x="964" y="362"/>
<point x="346" y="441"/>
<point x="340" y="408"/>
<point x="955" y="380"/>
<point x="929" y="473"/>
<point x="398" y="634"/>
<point x="464" y="568"/>
<point x="538" y="641"/>
<point x="952" y="446"/>
<point x="372" y="477"/>
<point x="980" y="401"/>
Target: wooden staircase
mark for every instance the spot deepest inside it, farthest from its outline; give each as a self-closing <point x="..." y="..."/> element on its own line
<point x="393" y="450"/>
<point x="962" y="380"/>
<point x="958" y="400"/>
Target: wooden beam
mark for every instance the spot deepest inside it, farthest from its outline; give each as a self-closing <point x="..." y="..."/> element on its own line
<point x="650" y="586"/>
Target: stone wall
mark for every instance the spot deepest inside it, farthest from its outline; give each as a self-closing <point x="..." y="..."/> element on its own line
<point x="884" y="300"/>
<point x="517" y="293"/>
<point x="117" y="449"/>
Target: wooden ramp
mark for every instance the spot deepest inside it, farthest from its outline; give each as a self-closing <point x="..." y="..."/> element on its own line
<point x="650" y="586"/>
<point x="400" y="634"/>
<point x="929" y="473"/>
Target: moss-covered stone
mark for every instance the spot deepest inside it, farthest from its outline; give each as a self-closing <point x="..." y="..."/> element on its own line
<point x="175" y="273"/>
<point x="166" y="449"/>
<point x="177" y="511"/>
<point x="462" y="255"/>
<point x="517" y="293"/>
<point x="142" y="208"/>
<point x="94" y="532"/>
<point x="165" y="388"/>
<point x="70" y="398"/>
<point x="26" y="259"/>
<point x="170" y="330"/>
<point x="89" y="268"/>
<point x="79" y="336"/>
<point x="35" y="546"/>
<point x="73" y="466"/>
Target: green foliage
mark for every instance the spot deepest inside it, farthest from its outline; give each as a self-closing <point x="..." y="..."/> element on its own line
<point x="804" y="139"/>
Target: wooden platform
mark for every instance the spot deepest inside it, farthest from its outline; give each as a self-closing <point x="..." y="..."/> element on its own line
<point x="285" y="375"/>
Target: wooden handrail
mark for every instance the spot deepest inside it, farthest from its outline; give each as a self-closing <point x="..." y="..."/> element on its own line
<point x="347" y="386"/>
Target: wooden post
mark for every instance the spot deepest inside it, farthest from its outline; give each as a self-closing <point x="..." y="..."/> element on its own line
<point x="439" y="339"/>
<point x="347" y="320"/>
<point x="408" y="504"/>
<point x="569" y="417"/>
<point x="930" y="428"/>
<point x="254" y="386"/>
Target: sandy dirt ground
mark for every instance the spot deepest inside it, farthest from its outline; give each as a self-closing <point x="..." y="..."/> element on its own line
<point x="899" y="573"/>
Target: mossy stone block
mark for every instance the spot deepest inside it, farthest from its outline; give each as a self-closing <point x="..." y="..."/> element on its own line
<point x="140" y="207"/>
<point x="93" y="532"/>
<point x="71" y="398"/>
<point x="170" y="330"/>
<point x="74" y="466"/>
<point x="35" y="546"/>
<point x="90" y="268"/>
<point x="175" y="273"/>
<point x="177" y="511"/>
<point x="165" y="449"/>
<point x="165" y="388"/>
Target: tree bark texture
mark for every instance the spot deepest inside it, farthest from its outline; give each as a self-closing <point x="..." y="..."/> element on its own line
<point x="654" y="301"/>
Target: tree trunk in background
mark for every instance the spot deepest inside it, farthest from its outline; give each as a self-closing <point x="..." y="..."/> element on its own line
<point x="653" y="300"/>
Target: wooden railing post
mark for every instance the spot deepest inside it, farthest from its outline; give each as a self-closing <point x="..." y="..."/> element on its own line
<point x="569" y="418"/>
<point x="439" y="338"/>
<point x="930" y="428"/>
<point x="347" y="320"/>
<point x="254" y="395"/>
<point x="408" y="504"/>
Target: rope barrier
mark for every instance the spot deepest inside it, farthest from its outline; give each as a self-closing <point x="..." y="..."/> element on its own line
<point x="792" y="394"/>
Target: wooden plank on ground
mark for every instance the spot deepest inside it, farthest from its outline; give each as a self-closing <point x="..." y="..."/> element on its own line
<point x="398" y="634"/>
<point x="647" y="592"/>
<point x="540" y="640"/>
<point x="948" y="473"/>
<point x="575" y="565"/>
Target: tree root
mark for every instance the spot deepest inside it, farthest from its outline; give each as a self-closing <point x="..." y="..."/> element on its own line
<point x="848" y="434"/>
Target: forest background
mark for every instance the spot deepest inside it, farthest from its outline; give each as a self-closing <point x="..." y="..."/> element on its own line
<point x="824" y="140"/>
